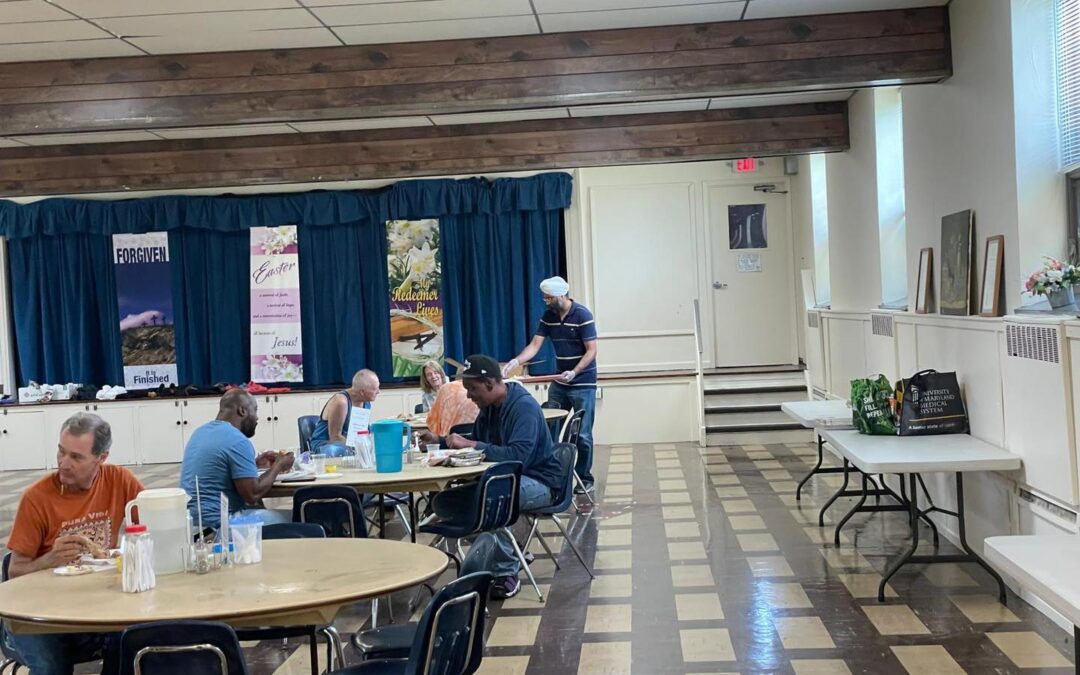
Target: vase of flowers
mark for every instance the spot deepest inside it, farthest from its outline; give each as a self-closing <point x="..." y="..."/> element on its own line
<point x="1055" y="281"/>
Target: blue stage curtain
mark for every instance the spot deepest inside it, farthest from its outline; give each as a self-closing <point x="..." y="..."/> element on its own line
<point x="492" y="269"/>
<point x="67" y="324"/>
<point x="344" y="303"/>
<point x="211" y="300"/>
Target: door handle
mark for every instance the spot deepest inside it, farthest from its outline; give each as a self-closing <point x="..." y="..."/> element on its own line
<point x="719" y="285"/>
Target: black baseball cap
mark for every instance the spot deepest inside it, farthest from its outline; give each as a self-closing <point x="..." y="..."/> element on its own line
<point x="480" y="366"/>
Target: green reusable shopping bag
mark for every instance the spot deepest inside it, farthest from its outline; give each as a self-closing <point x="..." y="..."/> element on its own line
<point x="871" y="409"/>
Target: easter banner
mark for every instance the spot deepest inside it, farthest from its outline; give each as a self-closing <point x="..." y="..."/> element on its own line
<point x="415" y="276"/>
<point x="276" y="349"/>
<point x="144" y="295"/>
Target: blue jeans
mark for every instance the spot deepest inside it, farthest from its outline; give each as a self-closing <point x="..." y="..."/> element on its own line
<point x="579" y="398"/>
<point x="493" y="551"/>
<point x="57" y="653"/>
<point x="267" y="516"/>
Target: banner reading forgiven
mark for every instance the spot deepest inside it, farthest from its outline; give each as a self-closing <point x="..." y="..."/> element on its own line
<point x="415" y="276"/>
<point x="144" y="296"/>
<point x="276" y="349"/>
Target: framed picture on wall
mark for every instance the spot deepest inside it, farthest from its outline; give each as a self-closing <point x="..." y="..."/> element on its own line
<point x="993" y="265"/>
<point x="924" y="282"/>
<point x="957" y="261"/>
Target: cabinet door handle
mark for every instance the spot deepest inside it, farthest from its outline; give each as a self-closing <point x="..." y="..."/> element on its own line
<point x="95" y="406"/>
<point x="177" y="422"/>
<point x="185" y="421"/>
<point x="275" y="418"/>
<point x="5" y="431"/>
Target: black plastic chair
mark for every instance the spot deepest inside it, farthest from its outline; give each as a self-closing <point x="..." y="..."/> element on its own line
<point x="334" y="648"/>
<point x="465" y="430"/>
<point x="337" y="508"/>
<point x="555" y="427"/>
<point x="305" y="425"/>
<point x="181" y="648"/>
<point x="418" y="409"/>
<point x="448" y="639"/>
<point x="566" y="456"/>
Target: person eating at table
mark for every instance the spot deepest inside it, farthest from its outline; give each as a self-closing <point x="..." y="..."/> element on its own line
<point x="509" y="428"/>
<point x="432" y="379"/>
<point x="329" y="437"/>
<point x="572" y="331"/>
<point x="74" y="510"/>
<point x="221" y="455"/>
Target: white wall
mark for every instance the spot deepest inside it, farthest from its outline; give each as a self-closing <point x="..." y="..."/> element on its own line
<point x="803" y="234"/>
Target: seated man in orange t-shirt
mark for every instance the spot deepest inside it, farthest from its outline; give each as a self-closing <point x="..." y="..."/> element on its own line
<point x="58" y="518"/>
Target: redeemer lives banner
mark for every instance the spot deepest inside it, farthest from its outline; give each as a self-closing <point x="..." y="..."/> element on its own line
<point x="144" y="295"/>
<point x="415" y="276"/>
<point x="276" y="348"/>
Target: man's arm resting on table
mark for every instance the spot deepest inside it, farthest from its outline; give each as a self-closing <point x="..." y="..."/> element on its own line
<point x="65" y="550"/>
<point x="251" y="490"/>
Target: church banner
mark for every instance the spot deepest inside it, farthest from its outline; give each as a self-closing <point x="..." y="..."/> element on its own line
<point x="144" y="296"/>
<point x="415" y="275"/>
<point x="276" y="349"/>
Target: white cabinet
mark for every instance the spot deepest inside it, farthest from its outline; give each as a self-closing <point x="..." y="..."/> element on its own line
<point x="121" y="418"/>
<point x="23" y="440"/>
<point x="287" y="409"/>
<point x="263" y="439"/>
<point x="538" y="391"/>
<point x="159" y="435"/>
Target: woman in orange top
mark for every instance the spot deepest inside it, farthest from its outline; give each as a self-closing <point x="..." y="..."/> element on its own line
<point x="452" y="407"/>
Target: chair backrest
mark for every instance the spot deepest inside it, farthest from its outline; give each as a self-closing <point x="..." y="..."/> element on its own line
<point x="6" y="565"/>
<point x="555" y="426"/>
<point x="305" y="425"/>
<point x="465" y="429"/>
<point x="495" y="504"/>
<point x="180" y="648"/>
<point x="336" y="508"/>
<point x="572" y="428"/>
<point x="293" y="531"/>
<point x="566" y="457"/>
<point x="449" y="637"/>
<point x="418" y="408"/>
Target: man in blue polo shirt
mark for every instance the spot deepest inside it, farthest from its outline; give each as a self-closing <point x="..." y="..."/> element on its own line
<point x="570" y="327"/>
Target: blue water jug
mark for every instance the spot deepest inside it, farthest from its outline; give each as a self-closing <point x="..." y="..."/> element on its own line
<point x="391" y="440"/>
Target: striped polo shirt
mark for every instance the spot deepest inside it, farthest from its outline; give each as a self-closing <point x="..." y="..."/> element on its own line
<point x="569" y="336"/>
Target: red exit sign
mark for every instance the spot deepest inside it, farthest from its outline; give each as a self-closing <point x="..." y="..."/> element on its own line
<point x="746" y="165"/>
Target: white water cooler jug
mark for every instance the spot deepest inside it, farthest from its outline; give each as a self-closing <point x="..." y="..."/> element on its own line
<point x="164" y="512"/>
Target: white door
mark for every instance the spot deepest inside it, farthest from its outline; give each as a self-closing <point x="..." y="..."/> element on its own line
<point x="121" y="419"/>
<point x="263" y="439"/>
<point x="287" y="409"/>
<point x="753" y="282"/>
<point x="159" y="433"/>
<point x="22" y="440"/>
<point x="198" y="412"/>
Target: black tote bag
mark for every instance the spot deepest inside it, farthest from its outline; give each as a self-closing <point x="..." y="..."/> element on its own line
<point x="932" y="404"/>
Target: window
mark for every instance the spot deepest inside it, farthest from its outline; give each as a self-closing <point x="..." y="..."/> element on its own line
<point x="819" y="207"/>
<point x="1067" y="32"/>
<point x="892" y="213"/>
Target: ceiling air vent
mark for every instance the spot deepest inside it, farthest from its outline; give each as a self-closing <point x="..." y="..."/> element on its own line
<point x="882" y="324"/>
<point x="812" y="319"/>
<point x="1038" y="343"/>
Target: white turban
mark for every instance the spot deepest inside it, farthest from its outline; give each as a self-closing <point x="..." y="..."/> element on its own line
<point x="555" y="286"/>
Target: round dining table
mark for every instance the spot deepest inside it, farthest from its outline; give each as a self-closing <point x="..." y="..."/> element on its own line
<point x="300" y="582"/>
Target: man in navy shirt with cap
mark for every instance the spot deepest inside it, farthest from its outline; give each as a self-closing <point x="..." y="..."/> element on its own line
<point x="570" y="327"/>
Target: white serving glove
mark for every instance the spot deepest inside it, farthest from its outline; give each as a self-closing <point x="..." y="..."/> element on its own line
<point x="510" y="365"/>
<point x="568" y="376"/>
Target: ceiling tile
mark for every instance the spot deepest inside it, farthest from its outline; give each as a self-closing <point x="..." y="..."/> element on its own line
<point x="21" y="11"/>
<point x="49" y="31"/>
<point x="194" y="42"/>
<point x="99" y="9"/>
<point x="554" y="6"/>
<point x="638" y="108"/>
<point x="437" y="30"/>
<point x="500" y="116"/>
<point x="635" y="18"/>
<point x="425" y="10"/>
<point x="225" y="132"/>
<point x="326" y="3"/>
<point x="353" y="125"/>
<point x="763" y="9"/>
<point x="80" y="49"/>
<point x="217" y="23"/>
<point x="89" y="137"/>
<point x="779" y="99"/>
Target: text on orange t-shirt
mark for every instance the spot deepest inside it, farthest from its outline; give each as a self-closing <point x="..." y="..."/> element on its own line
<point x="47" y="512"/>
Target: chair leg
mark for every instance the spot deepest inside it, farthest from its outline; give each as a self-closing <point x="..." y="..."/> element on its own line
<point x="543" y="542"/>
<point x="333" y="639"/>
<point x="566" y="536"/>
<point x="581" y="484"/>
<point x="313" y="645"/>
<point x="375" y="613"/>
<point x="521" y="559"/>
<point x="404" y="518"/>
<point x="532" y="532"/>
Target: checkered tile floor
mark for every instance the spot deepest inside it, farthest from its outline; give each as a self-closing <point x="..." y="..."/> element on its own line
<point x="706" y="563"/>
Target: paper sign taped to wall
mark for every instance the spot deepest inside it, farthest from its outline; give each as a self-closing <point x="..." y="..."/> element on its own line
<point x="748" y="262"/>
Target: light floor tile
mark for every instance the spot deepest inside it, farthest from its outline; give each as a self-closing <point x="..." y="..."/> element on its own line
<point x="823" y="535"/>
<point x="784" y="486"/>
<point x="619" y="520"/>
<point x="698" y="607"/>
<point x="924" y="659"/>
<point x="725" y="479"/>
<point x="514" y="631"/>
<point x="608" y="619"/>
<point x="755" y="543"/>
<point x="606" y="538"/>
<point x="667" y="454"/>
<point x="787" y="596"/>
<point x="686" y="550"/>
<point x="895" y="620"/>
<point x="604" y="658"/>
<point x="611" y="586"/>
<point x="668" y="464"/>
<point x="865" y="585"/>
<point x="732" y="506"/>
<point x="673" y="485"/>
<point x="731" y="491"/>
<point x="716" y="469"/>
<point x="620" y="468"/>
<point x="821" y="667"/>
<point x="752" y="447"/>
<point x="807" y="501"/>
<point x="983" y="609"/>
<point x="803" y="632"/>
<point x="706" y="644"/>
<point x="668" y="474"/>
<point x="759" y="454"/>
<point x="682" y="530"/>
<point x="619" y="490"/>
<point x="620" y="479"/>
<point x="769" y="566"/>
<point x="1028" y="650"/>
<point x="776" y="474"/>
<point x="766" y="464"/>
<point x="948" y="575"/>
<point x="610" y="560"/>
<point x="526" y="598"/>
<point x="678" y="513"/>
<point x="503" y="665"/>
<point x="622" y="459"/>
<point x="687" y="576"/>
<point x="674" y="498"/>
<point x="805" y="516"/>
<point x="746" y="522"/>
<point x="663" y="446"/>
<point x="553" y="540"/>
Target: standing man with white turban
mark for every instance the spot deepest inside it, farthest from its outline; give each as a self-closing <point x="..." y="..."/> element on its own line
<point x="572" y="331"/>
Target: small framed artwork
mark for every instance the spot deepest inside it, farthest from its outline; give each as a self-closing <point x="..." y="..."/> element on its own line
<point x="993" y="265"/>
<point x="925" y="281"/>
